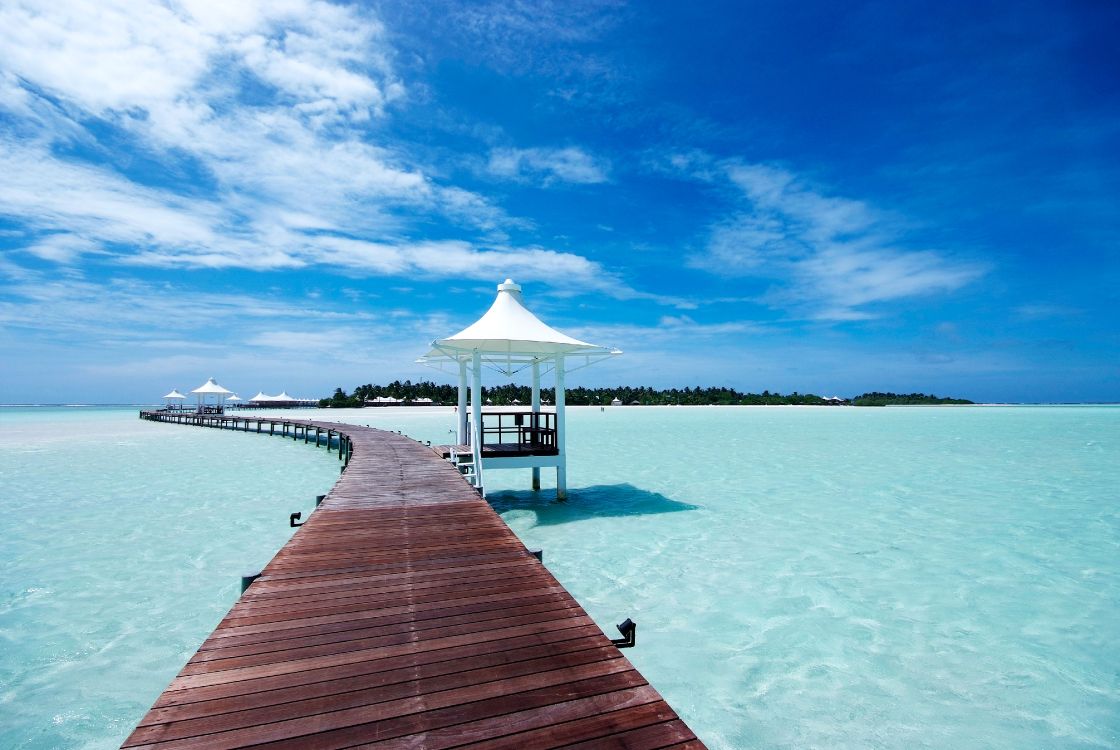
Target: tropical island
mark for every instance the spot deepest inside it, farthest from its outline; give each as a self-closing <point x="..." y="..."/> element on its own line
<point x="428" y="392"/>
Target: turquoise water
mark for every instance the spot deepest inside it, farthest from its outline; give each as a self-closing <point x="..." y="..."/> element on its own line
<point x="885" y="578"/>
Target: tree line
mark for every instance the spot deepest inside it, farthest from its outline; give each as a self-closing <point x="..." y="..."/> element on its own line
<point x="512" y="394"/>
<point x="909" y="399"/>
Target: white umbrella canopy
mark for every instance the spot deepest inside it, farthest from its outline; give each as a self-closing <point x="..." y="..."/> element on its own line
<point x="211" y="387"/>
<point x="175" y="395"/>
<point x="508" y="326"/>
<point x="509" y="332"/>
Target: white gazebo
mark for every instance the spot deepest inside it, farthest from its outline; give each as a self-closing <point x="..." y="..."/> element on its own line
<point x="260" y="397"/>
<point x="211" y="388"/>
<point x="509" y="339"/>
<point x="174" y="399"/>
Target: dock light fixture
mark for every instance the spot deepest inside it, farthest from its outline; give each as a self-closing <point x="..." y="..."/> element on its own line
<point x="247" y="580"/>
<point x="629" y="630"/>
<point x="293" y="518"/>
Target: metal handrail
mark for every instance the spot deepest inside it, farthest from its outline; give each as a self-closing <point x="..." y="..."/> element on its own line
<point x="538" y="431"/>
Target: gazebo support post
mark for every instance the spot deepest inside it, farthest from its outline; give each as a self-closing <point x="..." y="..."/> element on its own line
<point x="562" y="455"/>
<point x="476" y="403"/>
<point x="462" y="411"/>
<point x="536" y="409"/>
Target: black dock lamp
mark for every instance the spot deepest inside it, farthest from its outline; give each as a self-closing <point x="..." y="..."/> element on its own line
<point x="629" y="630"/>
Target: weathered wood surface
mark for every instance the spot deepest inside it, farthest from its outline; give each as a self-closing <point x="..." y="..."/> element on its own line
<point x="404" y="614"/>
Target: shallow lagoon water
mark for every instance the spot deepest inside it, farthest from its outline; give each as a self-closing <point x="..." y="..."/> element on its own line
<point x="924" y="577"/>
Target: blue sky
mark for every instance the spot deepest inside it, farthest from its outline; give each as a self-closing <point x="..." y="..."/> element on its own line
<point x="824" y="197"/>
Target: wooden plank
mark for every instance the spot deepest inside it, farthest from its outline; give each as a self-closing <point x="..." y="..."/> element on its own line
<point x="339" y="708"/>
<point x="427" y="617"/>
<point x="582" y="728"/>
<point x="499" y="617"/>
<point x="560" y="641"/>
<point x="524" y="660"/>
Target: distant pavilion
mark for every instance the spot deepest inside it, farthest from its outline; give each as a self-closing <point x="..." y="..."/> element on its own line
<point x="207" y="389"/>
<point x="283" y="401"/>
<point x="174" y="400"/>
<point x="509" y="339"/>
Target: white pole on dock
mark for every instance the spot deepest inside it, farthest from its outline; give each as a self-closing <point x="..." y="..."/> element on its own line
<point x="476" y="398"/>
<point x="562" y="453"/>
<point x="462" y="413"/>
<point x="536" y="409"/>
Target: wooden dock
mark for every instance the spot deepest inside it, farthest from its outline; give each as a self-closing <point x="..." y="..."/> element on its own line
<point x="403" y="614"/>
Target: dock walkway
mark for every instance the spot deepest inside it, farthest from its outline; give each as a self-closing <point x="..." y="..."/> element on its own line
<point x="403" y="614"/>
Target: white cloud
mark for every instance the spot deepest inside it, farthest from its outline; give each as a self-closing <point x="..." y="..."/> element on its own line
<point x="548" y="165"/>
<point x="147" y="55"/>
<point x="136" y="312"/>
<point x="332" y="341"/>
<point x="62" y="248"/>
<point x="87" y="334"/>
<point x="1043" y="311"/>
<point x="90" y="209"/>
<point x="97" y="206"/>
<point x="261" y="119"/>
<point x="855" y="277"/>
<point x="676" y="328"/>
<point x="830" y="257"/>
<point x="269" y="102"/>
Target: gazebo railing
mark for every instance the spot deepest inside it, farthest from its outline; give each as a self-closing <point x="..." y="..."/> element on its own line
<point x="530" y="430"/>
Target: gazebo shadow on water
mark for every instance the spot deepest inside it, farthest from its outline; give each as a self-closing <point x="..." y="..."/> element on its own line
<point x="599" y="501"/>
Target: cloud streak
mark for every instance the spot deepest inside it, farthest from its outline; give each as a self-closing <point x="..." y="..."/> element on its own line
<point x="548" y="165"/>
<point x="832" y="258"/>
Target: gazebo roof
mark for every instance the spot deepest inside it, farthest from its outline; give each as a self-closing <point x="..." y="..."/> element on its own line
<point x="174" y="394"/>
<point x="282" y="397"/>
<point x="261" y="396"/>
<point x="211" y="387"/>
<point x="234" y="397"/>
<point x="509" y="333"/>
